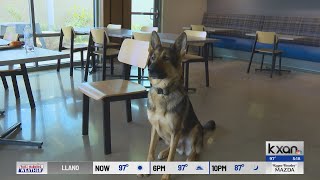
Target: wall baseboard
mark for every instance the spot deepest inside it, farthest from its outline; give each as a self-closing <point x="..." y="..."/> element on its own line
<point x="294" y="64"/>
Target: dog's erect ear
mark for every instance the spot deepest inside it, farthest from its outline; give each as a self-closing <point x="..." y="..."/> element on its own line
<point x="155" y="41"/>
<point x="181" y="44"/>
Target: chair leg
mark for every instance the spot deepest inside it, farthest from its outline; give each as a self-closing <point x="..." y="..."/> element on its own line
<point x="86" y="71"/>
<point x="186" y="79"/>
<point x="106" y="126"/>
<point x="71" y="64"/>
<point x="248" y="70"/>
<point x="207" y="72"/>
<point x="58" y="65"/>
<point x="128" y="109"/>
<point x="139" y="75"/>
<point x="94" y="67"/>
<point x="212" y="55"/>
<point x="273" y="65"/>
<point x="262" y="62"/>
<point x="111" y="66"/>
<point x="280" y="59"/>
<point x="85" y="115"/>
<point x="104" y="69"/>
<point x="5" y="83"/>
<point x="15" y="86"/>
<point x="82" y="61"/>
<point x="203" y="49"/>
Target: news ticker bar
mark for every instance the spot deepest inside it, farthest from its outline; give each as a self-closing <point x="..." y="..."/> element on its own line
<point x="122" y="168"/>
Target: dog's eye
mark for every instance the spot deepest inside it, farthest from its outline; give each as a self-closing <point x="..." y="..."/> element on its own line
<point x="152" y="57"/>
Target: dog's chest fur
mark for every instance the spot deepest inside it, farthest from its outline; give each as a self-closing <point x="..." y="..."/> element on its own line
<point x="164" y="112"/>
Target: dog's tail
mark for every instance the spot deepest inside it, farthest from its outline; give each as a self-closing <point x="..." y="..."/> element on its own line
<point x="209" y="126"/>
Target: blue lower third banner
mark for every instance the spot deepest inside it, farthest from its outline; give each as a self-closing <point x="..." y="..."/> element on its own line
<point x="162" y="167"/>
<point x="285" y="158"/>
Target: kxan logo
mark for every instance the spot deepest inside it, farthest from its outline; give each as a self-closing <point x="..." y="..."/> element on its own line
<point x="31" y="168"/>
<point x="282" y="148"/>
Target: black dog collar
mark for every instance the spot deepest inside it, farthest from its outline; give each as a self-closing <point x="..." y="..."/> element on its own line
<point x="163" y="91"/>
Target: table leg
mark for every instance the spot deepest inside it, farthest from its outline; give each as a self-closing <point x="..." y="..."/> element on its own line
<point x="106" y="126"/>
<point x="15" y="86"/>
<point x="17" y="142"/>
<point x="206" y="55"/>
<point x="5" y="83"/>
<point x="27" y="84"/>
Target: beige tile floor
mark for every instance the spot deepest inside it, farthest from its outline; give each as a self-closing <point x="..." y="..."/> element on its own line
<point x="248" y="110"/>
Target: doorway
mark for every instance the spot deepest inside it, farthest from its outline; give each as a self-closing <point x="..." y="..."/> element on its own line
<point x="145" y="13"/>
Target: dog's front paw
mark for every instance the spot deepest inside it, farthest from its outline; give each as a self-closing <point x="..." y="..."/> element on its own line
<point x="163" y="154"/>
<point x="165" y="177"/>
<point x="143" y="175"/>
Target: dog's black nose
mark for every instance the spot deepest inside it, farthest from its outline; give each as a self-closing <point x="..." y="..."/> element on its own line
<point x="151" y="68"/>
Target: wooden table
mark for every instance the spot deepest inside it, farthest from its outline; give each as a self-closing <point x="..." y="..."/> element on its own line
<point x="4" y="42"/>
<point x="280" y="36"/>
<point x="170" y="39"/>
<point x="212" y="29"/>
<point x="19" y="56"/>
<point x="164" y="37"/>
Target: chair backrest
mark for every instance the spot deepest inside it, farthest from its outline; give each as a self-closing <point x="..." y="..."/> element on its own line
<point x="114" y="26"/>
<point x="10" y="34"/>
<point x="67" y="32"/>
<point x="98" y="36"/>
<point x="202" y="34"/>
<point x="149" y="29"/>
<point x="267" y="37"/>
<point x="197" y="27"/>
<point x="142" y="36"/>
<point x="134" y="52"/>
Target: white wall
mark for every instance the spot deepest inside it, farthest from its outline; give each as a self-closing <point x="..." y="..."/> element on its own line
<point x="305" y="8"/>
<point x="179" y="13"/>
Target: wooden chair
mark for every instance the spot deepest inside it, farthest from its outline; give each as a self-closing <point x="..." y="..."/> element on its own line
<point x="201" y="28"/>
<point x="197" y="27"/>
<point x="68" y="34"/>
<point x="189" y="58"/>
<point x="267" y="38"/>
<point x="196" y="34"/>
<point x="98" y="39"/>
<point x="141" y="36"/>
<point x="132" y="52"/>
<point x="149" y="29"/>
<point x="10" y="36"/>
<point x="114" y="26"/>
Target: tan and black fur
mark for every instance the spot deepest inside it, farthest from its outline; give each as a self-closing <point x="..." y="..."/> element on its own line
<point x="170" y="111"/>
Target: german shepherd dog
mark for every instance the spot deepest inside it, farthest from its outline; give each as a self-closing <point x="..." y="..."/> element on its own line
<point x="170" y="111"/>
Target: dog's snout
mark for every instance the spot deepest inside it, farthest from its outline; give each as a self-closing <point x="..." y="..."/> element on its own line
<point x="155" y="71"/>
<point x="151" y="68"/>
